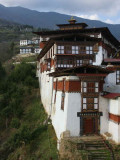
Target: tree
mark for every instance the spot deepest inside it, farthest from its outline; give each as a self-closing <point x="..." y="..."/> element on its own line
<point x="2" y="72"/>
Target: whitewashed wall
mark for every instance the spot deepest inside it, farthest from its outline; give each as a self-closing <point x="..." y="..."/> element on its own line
<point x="67" y="119"/>
<point x="114" y="106"/>
<point x="99" y="57"/>
<point x="46" y="85"/>
<point x="110" y="84"/>
<point x="59" y="117"/>
<point x="104" y="120"/>
<point x="73" y="106"/>
<point x="114" y="129"/>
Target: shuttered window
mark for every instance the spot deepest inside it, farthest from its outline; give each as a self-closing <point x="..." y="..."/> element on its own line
<point x="118" y="77"/>
<point x="90" y="103"/>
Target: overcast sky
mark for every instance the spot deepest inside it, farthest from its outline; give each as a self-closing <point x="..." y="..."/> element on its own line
<point x="104" y="10"/>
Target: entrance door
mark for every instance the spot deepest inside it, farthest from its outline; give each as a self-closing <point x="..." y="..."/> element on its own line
<point x="88" y="126"/>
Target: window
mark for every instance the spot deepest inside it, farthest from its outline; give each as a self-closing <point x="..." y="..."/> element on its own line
<point x="75" y="50"/>
<point x="60" y="50"/>
<point x="79" y="62"/>
<point x="83" y="50"/>
<point x="55" y="90"/>
<point x="90" y="103"/>
<point x="62" y="100"/>
<point x="68" y="49"/>
<point x="65" y="63"/>
<point x="48" y="65"/>
<point x="84" y="86"/>
<point x="53" y="50"/>
<point x="96" y="87"/>
<point x="63" y="95"/>
<point x="118" y="77"/>
<point x="89" y="50"/>
<point x="90" y="61"/>
<point x="90" y="87"/>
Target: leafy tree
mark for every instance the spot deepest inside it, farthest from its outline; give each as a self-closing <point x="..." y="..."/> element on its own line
<point x="2" y="72"/>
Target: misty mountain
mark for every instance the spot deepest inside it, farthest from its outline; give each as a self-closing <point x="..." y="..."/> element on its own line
<point x="48" y="19"/>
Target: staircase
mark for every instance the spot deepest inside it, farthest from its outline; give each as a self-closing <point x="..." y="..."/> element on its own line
<point x="97" y="149"/>
<point x="85" y="148"/>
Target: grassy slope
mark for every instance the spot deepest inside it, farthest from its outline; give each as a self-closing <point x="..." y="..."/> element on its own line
<point x="30" y="139"/>
<point x="43" y="146"/>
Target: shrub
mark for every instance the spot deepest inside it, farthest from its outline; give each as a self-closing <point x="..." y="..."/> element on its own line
<point x="23" y="136"/>
<point x="15" y="123"/>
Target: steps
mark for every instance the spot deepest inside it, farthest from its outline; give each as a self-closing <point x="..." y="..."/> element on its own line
<point x="97" y="149"/>
<point x="85" y="148"/>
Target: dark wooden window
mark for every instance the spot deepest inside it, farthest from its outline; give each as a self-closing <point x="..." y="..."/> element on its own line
<point x="65" y="63"/>
<point x="48" y="65"/>
<point x="63" y="95"/>
<point x="90" y="61"/>
<point x="118" y="77"/>
<point x="55" y="90"/>
<point x="82" y="50"/>
<point x="68" y="49"/>
<point x="75" y="50"/>
<point x="53" y="50"/>
<point x="90" y="103"/>
<point x="60" y="49"/>
<point x="79" y="62"/>
<point x="89" y="50"/>
<point x="62" y="100"/>
<point x="90" y="87"/>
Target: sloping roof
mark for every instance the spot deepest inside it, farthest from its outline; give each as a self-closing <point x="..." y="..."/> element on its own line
<point x="76" y="24"/>
<point x="104" y="30"/>
<point x="112" y="95"/>
<point x="111" y="60"/>
<point x="92" y="69"/>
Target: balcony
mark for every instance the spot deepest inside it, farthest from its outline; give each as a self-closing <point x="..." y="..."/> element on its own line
<point x="71" y="61"/>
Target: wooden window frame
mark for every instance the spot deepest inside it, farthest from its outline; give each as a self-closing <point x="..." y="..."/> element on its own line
<point x="63" y="95"/>
<point x="75" y="49"/>
<point x="117" y="77"/>
<point x="65" y="63"/>
<point x="62" y="100"/>
<point x="86" y="88"/>
<point x="60" y="48"/>
<point x="48" y="65"/>
<point x="82" y="49"/>
<point x="89" y="50"/>
<point x="55" y="90"/>
<point x="90" y="105"/>
<point x="79" y="62"/>
<point x="68" y="49"/>
<point x="53" y="50"/>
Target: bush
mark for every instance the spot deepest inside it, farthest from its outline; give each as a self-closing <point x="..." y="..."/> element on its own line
<point x="23" y="136"/>
<point x="15" y="123"/>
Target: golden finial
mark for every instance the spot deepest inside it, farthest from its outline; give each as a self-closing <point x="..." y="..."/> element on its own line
<point x="72" y="20"/>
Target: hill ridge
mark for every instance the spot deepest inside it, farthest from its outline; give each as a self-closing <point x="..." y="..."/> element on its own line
<point x="49" y="20"/>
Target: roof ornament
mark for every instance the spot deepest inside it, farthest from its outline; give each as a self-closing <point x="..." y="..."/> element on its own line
<point x="72" y="20"/>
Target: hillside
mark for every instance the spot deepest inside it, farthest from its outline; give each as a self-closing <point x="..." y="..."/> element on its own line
<point x="48" y="19"/>
<point x="10" y="34"/>
<point x="24" y="131"/>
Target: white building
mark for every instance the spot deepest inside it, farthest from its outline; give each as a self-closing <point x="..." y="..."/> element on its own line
<point x="73" y="65"/>
<point x="37" y="49"/>
<point x="26" y="49"/>
<point x="25" y="42"/>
